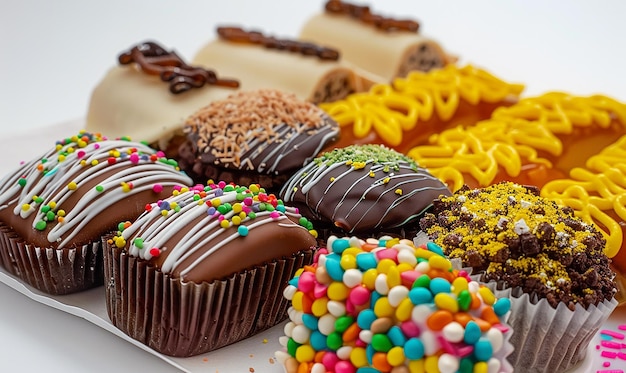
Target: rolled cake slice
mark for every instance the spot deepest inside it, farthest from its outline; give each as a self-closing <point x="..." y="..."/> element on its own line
<point x="382" y="48"/>
<point x="313" y="73"/>
<point x="205" y="267"/>
<point x="259" y="136"/>
<point x="55" y="208"/>
<point x="149" y="95"/>
<point x="363" y="189"/>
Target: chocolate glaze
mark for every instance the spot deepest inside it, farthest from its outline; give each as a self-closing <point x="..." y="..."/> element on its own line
<point x="364" y="14"/>
<point x="86" y="212"/>
<point x="155" y="60"/>
<point x="194" y="246"/>
<point x="268" y="153"/>
<point x="239" y="35"/>
<point x="363" y="189"/>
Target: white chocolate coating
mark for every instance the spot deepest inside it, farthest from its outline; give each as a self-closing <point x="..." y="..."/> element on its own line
<point x="257" y="67"/>
<point x="378" y="54"/>
<point x="128" y="102"/>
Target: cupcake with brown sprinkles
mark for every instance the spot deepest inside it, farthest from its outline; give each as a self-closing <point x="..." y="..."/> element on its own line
<point x="258" y="136"/>
<point x="540" y="254"/>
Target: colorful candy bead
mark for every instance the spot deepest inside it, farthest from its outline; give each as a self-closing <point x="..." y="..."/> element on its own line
<point x="372" y="306"/>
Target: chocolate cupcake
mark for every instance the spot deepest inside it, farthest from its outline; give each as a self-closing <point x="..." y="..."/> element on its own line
<point x="547" y="260"/>
<point x="55" y="208"/>
<point x="259" y="136"/>
<point x="363" y="189"/>
<point x="205" y="267"/>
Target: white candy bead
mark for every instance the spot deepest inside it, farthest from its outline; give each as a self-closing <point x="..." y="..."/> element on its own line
<point x="380" y="284"/>
<point x="326" y="324"/>
<point x="422" y="267"/>
<point x="288" y="329"/>
<point x="453" y="332"/>
<point x="431" y="345"/>
<point x="408" y="257"/>
<point x="318" y="368"/>
<point x="283" y="340"/>
<point x="289" y="291"/>
<point x="496" y="338"/>
<point x="344" y="352"/>
<point x="366" y="336"/>
<point x="493" y="365"/>
<point x="352" y="277"/>
<point x="336" y="308"/>
<point x="448" y="364"/>
<point x="397" y="294"/>
<point x="301" y="334"/>
<point x="420" y="314"/>
<point x="355" y="242"/>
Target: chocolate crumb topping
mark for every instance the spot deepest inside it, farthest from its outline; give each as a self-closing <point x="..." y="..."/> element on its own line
<point x="513" y="236"/>
<point x="239" y="35"/>
<point x="363" y="14"/>
<point x="155" y="60"/>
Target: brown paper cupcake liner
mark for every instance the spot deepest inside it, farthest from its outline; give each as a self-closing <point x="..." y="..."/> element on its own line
<point x="547" y="339"/>
<point x="187" y="319"/>
<point x="50" y="270"/>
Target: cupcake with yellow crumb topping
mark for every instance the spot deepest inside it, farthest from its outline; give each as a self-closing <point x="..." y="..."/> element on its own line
<point x="548" y="261"/>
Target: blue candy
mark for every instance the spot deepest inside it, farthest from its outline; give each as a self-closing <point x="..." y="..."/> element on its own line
<point x="365" y="319"/>
<point x="396" y="336"/>
<point x="472" y="333"/>
<point x="502" y="306"/>
<point x="434" y="248"/>
<point x="439" y="285"/>
<point x="414" y="349"/>
<point x="340" y="244"/>
<point x="420" y="296"/>
<point x="333" y="267"/>
<point x="483" y="350"/>
<point x="318" y="340"/>
<point x="366" y="261"/>
<point x="309" y="321"/>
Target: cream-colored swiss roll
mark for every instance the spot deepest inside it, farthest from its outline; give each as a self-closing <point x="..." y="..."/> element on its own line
<point x="129" y="102"/>
<point x="384" y="55"/>
<point x="256" y="67"/>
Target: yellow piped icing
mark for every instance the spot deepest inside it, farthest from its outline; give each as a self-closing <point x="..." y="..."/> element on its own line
<point x="595" y="190"/>
<point x="392" y="109"/>
<point x="514" y="136"/>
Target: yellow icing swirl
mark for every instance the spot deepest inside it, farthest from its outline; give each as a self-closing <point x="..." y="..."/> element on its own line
<point x="514" y="136"/>
<point x="595" y="190"/>
<point x="392" y="109"/>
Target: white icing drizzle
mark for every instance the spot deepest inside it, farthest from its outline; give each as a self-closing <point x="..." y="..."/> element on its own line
<point x="156" y="230"/>
<point x="87" y="162"/>
<point x="315" y="172"/>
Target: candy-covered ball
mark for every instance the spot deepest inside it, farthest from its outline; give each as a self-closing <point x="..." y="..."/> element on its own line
<point x="386" y="305"/>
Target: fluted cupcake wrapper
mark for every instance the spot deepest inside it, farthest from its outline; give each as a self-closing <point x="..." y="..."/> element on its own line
<point x="184" y="318"/>
<point x="547" y="339"/>
<point x="50" y="270"/>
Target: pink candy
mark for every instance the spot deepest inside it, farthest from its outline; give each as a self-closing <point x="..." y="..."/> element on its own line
<point x="306" y="282"/>
<point x="387" y="254"/>
<point x="359" y="295"/>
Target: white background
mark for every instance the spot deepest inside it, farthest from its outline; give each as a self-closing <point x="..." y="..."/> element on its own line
<point x="52" y="53"/>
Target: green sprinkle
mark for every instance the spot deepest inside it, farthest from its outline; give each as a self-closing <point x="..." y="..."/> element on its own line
<point x="50" y="215"/>
<point x="41" y="225"/>
<point x="22" y="182"/>
<point x="99" y="188"/>
<point x="138" y="242"/>
<point x="45" y="209"/>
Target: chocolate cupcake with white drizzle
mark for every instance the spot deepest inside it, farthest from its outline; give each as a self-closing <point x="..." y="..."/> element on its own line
<point x="210" y="263"/>
<point x="363" y="189"/>
<point x="55" y="208"/>
<point x="259" y="136"/>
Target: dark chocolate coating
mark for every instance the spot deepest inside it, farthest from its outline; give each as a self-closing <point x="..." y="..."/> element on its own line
<point x="367" y="196"/>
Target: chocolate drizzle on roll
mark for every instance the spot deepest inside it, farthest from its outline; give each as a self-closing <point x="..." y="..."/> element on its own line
<point x="237" y="34"/>
<point x="363" y="14"/>
<point x="155" y="60"/>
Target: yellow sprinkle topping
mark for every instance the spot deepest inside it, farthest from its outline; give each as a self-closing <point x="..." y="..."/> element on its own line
<point x="392" y="109"/>
<point x="597" y="193"/>
<point x="526" y="132"/>
<point x="71" y="186"/>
